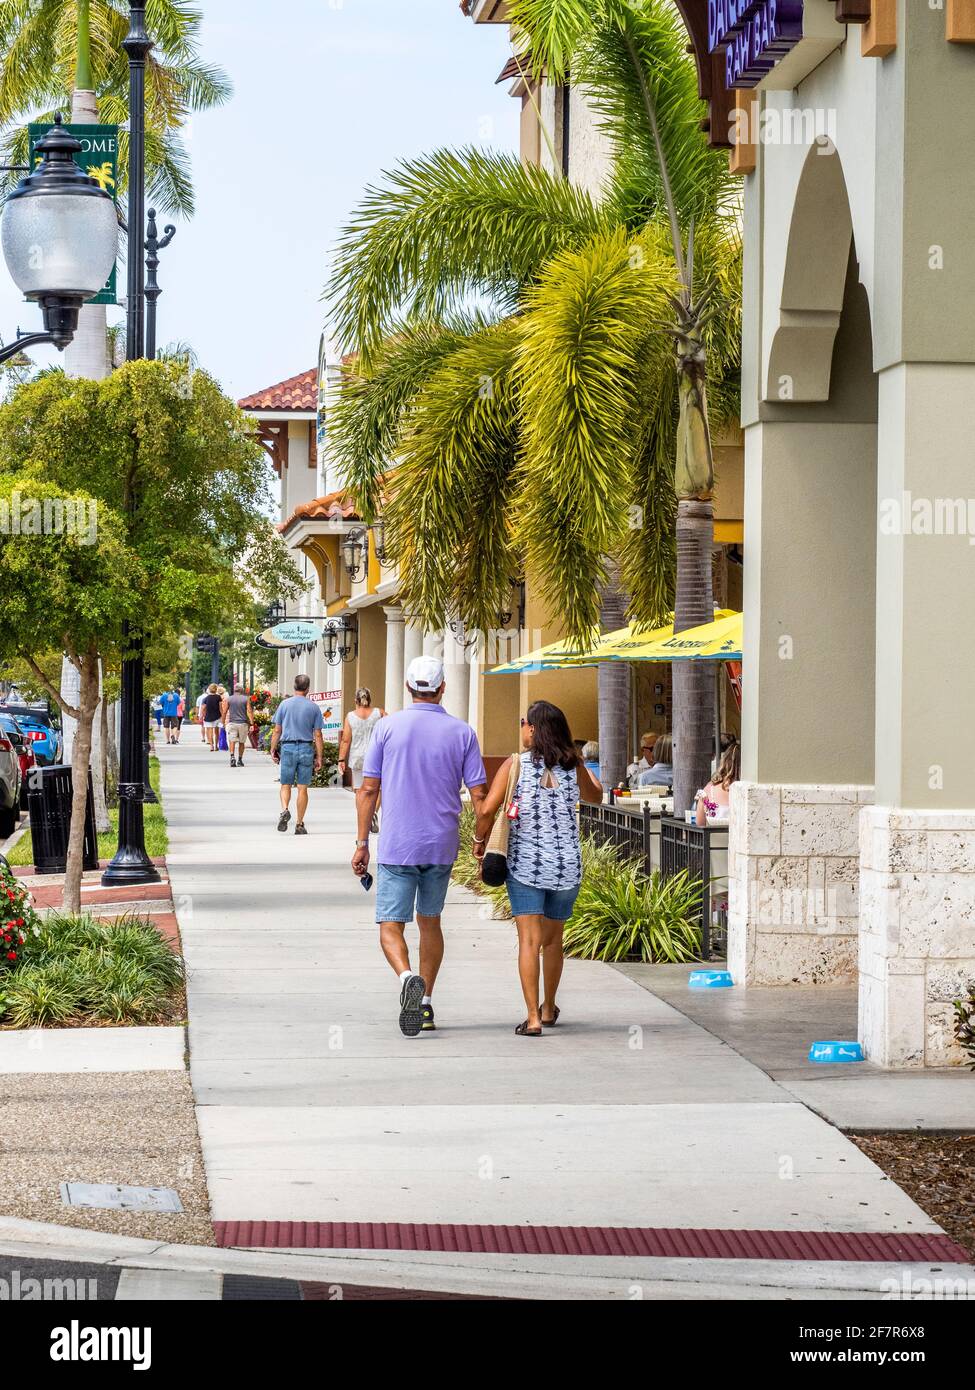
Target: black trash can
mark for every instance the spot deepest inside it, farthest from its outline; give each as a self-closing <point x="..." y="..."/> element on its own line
<point x="49" y="803"/>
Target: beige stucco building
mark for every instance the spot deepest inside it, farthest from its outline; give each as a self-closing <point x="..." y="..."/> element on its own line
<point x="853" y="831"/>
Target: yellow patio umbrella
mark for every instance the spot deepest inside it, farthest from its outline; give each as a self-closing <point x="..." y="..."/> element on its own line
<point x="719" y="640"/>
<point x="716" y="641"/>
<point x="555" y="656"/>
<point x="562" y="655"/>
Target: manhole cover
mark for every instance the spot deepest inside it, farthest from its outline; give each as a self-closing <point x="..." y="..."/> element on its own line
<point x="108" y="1194"/>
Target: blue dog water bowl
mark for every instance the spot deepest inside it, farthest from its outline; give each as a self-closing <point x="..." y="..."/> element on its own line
<point x="836" y="1052"/>
<point x="709" y="979"/>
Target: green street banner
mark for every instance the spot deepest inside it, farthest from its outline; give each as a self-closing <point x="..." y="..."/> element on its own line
<point x="99" y="159"/>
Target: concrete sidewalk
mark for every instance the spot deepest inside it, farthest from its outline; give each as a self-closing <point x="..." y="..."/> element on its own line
<point x="313" y="1108"/>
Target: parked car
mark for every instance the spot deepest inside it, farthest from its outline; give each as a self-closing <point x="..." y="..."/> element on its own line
<point x="24" y="749"/>
<point x="9" y="786"/>
<point x="39" y="728"/>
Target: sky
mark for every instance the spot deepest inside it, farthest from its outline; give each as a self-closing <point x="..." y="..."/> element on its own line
<point x="327" y="95"/>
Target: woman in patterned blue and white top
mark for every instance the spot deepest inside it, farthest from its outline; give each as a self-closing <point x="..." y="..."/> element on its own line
<point x="544" y="862"/>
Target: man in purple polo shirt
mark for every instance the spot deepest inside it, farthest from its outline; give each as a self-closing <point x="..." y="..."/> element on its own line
<point x="418" y="758"/>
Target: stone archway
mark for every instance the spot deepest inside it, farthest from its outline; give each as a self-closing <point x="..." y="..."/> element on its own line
<point x="814" y="283"/>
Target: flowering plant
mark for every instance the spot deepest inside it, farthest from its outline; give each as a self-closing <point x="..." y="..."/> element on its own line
<point x="710" y="807"/>
<point x="17" y="918"/>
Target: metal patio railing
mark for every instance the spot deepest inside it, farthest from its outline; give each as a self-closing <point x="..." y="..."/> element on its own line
<point x="669" y="845"/>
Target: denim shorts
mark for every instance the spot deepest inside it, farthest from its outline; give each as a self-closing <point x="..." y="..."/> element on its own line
<point x="297" y="764"/>
<point x="554" y="903"/>
<point x="400" y="886"/>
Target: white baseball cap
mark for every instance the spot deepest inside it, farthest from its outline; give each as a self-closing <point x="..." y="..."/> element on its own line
<point x="425" y="674"/>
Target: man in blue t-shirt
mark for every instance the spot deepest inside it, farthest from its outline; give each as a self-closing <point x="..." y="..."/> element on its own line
<point x="170" y="712"/>
<point x="296" y="743"/>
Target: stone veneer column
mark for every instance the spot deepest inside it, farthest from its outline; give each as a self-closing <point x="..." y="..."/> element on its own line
<point x="395" y="653"/>
<point x="793" y="871"/>
<point x="917" y="933"/>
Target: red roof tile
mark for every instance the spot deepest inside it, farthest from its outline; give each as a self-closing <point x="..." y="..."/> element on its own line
<point x="336" y="506"/>
<point x="297" y="393"/>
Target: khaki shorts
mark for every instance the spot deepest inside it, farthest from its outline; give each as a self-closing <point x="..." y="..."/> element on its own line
<point x="236" y="733"/>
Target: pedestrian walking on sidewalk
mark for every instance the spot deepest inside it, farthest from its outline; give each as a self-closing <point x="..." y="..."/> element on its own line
<point x="357" y="733"/>
<point x="170" y="711"/>
<point x="418" y="758"/>
<point x="296" y="742"/>
<point x="544" y="859"/>
<point x="236" y="711"/>
<point x="200" y="702"/>
<point x="211" y="716"/>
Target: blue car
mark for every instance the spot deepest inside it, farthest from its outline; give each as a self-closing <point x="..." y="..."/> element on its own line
<point x="38" y="728"/>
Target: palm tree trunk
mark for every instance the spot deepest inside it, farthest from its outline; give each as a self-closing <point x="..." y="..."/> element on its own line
<point x="694" y="602"/>
<point x="692" y="680"/>
<point x="614" y="690"/>
<point x="80" y="759"/>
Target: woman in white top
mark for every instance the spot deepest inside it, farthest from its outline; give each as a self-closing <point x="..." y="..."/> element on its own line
<point x="357" y="733"/>
<point x="714" y="799"/>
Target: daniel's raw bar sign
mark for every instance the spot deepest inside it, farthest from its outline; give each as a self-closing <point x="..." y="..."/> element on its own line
<point x="755" y="34"/>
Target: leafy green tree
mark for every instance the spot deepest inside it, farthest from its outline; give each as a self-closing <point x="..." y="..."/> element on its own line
<point x="554" y="431"/>
<point x="51" y="48"/>
<point x="174" y="531"/>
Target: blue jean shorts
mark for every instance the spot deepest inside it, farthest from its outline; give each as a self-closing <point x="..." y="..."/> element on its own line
<point x="401" y="886"/>
<point x="297" y="764"/>
<point x="554" y="903"/>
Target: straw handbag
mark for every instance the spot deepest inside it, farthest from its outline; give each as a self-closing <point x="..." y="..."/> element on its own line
<point x="494" y="865"/>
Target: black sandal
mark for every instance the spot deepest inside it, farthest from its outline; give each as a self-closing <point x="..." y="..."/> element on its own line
<point x="551" y="1022"/>
<point x="524" y="1031"/>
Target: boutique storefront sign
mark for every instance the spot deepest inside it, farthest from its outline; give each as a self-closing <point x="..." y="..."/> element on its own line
<point x="755" y="35"/>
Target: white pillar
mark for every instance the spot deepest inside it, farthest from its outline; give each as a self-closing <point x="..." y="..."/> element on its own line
<point x="395" y="655"/>
<point x="457" y="674"/>
<point x="433" y="644"/>
<point x="474" y="680"/>
<point x="412" y="643"/>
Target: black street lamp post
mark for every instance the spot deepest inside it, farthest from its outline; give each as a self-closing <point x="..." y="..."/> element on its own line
<point x="60" y="238"/>
<point x="154" y="244"/>
<point x="131" y="864"/>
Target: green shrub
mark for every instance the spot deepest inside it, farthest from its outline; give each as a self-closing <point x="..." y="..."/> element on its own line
<point x="620" y="914"/>
<point x="75" y="969"/>
<point x="965" y="1026"/>
<point x="328" y="776"/>
<point x="18" y="920"/>
<point x="41" y="996"/>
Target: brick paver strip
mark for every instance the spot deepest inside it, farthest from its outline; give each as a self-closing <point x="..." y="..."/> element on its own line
<point x="875" y="1247"/>
<point x="50" y="894"/>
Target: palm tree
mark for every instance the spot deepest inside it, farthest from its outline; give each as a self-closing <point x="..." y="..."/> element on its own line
<point x="616" y="49"/>
<point x="51" y="48"/>
<point x="547" y="432"/>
